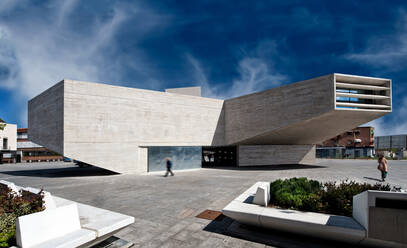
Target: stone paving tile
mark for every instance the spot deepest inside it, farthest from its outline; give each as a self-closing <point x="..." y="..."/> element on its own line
<point x="173" y="243"/>
<point x="211" y="242"/>
<point x="165" y="208"/>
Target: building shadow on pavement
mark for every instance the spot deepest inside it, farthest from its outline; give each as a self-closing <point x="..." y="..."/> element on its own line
<point x="62" y="172"/>
<point x="268" y="167"/>
<point x="374" y="179"/>
<point x="229" y="227"/>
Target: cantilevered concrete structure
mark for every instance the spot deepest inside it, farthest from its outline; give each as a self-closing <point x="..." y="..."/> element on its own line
<point x="130" y="130"/>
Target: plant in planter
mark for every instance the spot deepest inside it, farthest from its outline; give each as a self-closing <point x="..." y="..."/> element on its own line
<point x="310" y="195"/>
<point x="13" y="205"/>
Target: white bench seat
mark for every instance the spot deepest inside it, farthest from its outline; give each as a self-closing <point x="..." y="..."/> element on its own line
<point x="65" y="223"/>
<point x="52" y="228"/>
<point x="72" y="239"/>
<point x="100" y="220"/>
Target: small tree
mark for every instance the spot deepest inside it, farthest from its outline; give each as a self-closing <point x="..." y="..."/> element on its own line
<point x="2" y="124"/>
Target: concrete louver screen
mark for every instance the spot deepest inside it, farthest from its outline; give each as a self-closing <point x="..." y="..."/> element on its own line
<point x="362" y="93"/>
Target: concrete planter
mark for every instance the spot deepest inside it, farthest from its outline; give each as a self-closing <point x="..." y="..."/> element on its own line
<point x="333" y="227"/>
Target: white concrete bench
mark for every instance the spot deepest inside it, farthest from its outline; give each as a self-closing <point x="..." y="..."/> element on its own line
<point x="55" y="228"/>
<point x="65" y="223"/>
<point x="104" y="222"/>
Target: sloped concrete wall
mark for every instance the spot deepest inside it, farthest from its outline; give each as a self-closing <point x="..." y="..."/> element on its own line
<point x="260" y="113"/>
<point x="46" y="118"/>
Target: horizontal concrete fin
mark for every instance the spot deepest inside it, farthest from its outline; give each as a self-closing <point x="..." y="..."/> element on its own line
<point x="361" y="96"/>
<point x="360" y="105"/>
<point x="361" y="86"/>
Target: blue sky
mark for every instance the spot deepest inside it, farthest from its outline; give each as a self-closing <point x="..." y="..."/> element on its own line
<point x="230" y="48"/>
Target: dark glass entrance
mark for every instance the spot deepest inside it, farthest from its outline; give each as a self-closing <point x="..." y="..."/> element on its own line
<point x="219" y="156"/>
<point x="183" y="157"/>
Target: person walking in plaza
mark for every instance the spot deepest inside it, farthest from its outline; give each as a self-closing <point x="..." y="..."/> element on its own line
<point x="169" y="165"/>
<point x="383" y="167"/>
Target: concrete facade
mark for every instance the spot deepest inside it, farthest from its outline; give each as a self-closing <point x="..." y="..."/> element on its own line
<point x="103" y="124"/>
<point x="112" y="127"/>
<point x="8" y="138"/>
<point x="275" y="154"/>
<point x="191" y="91"/>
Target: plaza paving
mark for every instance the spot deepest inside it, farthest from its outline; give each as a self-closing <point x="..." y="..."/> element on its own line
<point x="165" y="208"/>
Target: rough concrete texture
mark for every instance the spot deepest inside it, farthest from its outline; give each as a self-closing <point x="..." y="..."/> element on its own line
<point x="299" y="113"/>
<point x="165" y="208"/>
<point x="192" y="91"/>
<point x="106" y="125"/>
<point x="276" y="154"/>
<point x="388" y="224"/>
<point x="46" y="118"/>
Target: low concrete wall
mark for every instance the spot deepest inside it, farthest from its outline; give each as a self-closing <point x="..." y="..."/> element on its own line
<point x="276" y="154"/>
<point x="388" y="224"/>
<point x="383" y="215"/>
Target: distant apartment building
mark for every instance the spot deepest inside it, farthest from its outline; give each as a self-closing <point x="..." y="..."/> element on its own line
<point x="28" y="151"/>
<point x="8" y="142"/>
<point x="392" y="145"/>
<point x="355" y="143"/>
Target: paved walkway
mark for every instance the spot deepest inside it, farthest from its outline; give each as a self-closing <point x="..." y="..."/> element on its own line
<point x="165" y="208"/>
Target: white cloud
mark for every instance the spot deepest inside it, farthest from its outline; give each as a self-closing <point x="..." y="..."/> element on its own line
<point x="65" y="9"/>
<point x="398" y="124"/>
<point x="200" y="78"/>
<point x="389" y="53"/>
<point x="386" y="51"/>
<point x="7" y="5"/>
<point x="256" y="73"/>
<point x="37" y="53"/>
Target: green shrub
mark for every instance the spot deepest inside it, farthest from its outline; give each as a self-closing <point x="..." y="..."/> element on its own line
<point x="297" y="193"/>
<point x="338" y="198"/>
<point x="310" y="195"/>
<point x="12" y="206"/>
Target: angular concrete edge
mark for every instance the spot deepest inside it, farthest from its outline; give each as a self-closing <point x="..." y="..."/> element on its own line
<point x="259" y="155"/>
<point x="99" y="220"/>
<point x="339" y="228"/>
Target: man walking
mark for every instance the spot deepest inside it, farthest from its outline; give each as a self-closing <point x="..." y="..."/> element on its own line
<point x="169" y="165"/>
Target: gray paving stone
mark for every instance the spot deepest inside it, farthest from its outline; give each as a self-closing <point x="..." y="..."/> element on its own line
<point x="165" y="210"/>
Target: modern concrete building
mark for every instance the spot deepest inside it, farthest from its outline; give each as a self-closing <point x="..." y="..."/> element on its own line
<point x="131" y="130"/>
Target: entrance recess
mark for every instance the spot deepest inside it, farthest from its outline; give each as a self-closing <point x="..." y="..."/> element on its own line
<point x="183" y="157"/>
<point x="219" y="156"/>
